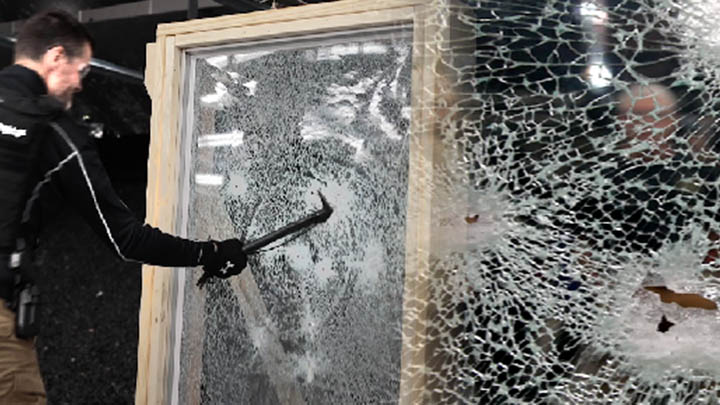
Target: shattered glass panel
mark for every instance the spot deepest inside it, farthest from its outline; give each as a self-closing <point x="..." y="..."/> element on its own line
<point x="575" y="208"/>
<point x="316" y="317"/>
<point x="565" y="156"/>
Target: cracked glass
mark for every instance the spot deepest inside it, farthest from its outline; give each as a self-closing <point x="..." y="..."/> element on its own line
<point x="568" y="157"/>
<point x="584" y="166"/>
<point x="316" y="317"/>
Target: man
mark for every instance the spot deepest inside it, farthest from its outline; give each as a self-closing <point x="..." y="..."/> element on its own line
<point x="649" y="115"/>
<point x="43" y="152"/>
<point x="642" y="176"/>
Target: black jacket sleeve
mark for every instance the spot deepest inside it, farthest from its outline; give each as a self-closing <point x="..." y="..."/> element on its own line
<point x="84" y="184"/>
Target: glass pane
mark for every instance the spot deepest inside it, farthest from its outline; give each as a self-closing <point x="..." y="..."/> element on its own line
<point x="575" y="228"/>
<point x="577" y="235"/>
<point x="317" y="317"/>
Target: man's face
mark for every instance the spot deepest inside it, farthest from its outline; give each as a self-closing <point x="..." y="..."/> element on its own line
<point x="65" y="74"/>
<point x="650" y="120"/>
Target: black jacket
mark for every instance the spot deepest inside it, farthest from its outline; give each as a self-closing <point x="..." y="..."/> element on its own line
<point x="45" y="154"/>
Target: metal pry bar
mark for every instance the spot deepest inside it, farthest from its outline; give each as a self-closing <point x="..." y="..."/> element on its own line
<point x="314" y="218"/>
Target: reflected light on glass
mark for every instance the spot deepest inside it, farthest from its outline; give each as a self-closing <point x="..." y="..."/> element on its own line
<point x="219" y="62"/>
<point x="211" y="98"/>
<point x="312" y="131"/>
<point x="374" y="48"/>
<point x="335" y="52"/>
<point x="246" y="57"/>
<point x="599" y="76"/>
<point x="406" y="113"/>
<point x="214" y="180"/>
<point x="593" y="14"/>
<point x="220" y="91"/>
<point x="232" y="139"/>
<point x="251" y="86"/>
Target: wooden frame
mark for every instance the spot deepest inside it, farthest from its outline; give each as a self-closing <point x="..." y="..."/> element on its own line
<point x="164" y="75"/>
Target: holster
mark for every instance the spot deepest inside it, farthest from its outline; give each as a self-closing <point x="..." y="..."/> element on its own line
<point x="26" y="295"/>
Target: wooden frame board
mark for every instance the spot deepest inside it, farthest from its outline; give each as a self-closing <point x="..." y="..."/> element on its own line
<point x="164" y="75"/>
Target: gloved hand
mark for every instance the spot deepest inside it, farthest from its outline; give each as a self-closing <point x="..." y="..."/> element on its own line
<point x="222" y="259"/>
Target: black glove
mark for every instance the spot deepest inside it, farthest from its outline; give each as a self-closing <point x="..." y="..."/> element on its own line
<point x="222" y="259"/>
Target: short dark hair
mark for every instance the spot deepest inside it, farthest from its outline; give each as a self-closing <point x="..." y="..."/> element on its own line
<point x="48" y="29"/>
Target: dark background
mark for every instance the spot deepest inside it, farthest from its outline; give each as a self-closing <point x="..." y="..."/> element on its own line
<point x="91" y="299"/>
